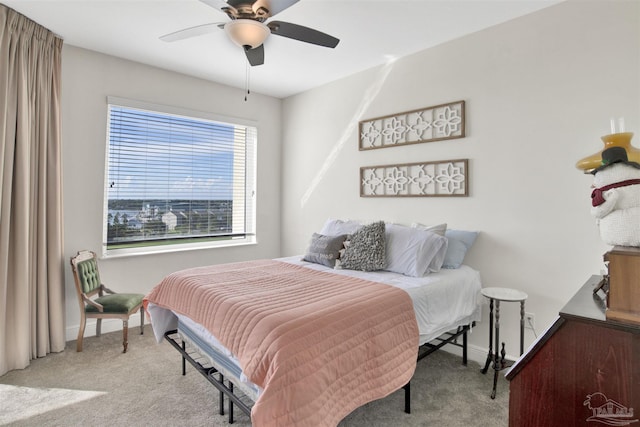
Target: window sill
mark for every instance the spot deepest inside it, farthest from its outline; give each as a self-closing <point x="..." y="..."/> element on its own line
<point x="152" y="250"/>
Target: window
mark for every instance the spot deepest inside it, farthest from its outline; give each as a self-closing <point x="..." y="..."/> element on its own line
<point x="176" y="179"/>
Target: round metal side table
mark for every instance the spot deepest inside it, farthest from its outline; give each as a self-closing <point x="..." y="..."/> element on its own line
<point x="495" y="296"/>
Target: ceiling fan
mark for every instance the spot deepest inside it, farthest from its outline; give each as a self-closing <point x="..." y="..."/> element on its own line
<point x="248" y="29"/>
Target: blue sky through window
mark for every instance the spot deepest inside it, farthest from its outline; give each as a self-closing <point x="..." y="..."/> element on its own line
<point x="161" y="156"/>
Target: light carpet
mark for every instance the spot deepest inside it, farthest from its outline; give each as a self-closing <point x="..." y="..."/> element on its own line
<point x="19" y="403"/>
<point x="104" y="387"/>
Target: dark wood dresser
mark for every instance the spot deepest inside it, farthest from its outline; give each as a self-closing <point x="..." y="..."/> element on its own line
<point x="583" y="371"/>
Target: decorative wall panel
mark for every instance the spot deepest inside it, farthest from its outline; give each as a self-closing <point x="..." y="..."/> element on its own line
<point x="435" y="123"/>
<point x="426" y="179"/>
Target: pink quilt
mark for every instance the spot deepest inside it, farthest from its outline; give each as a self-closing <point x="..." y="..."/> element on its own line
<point x="319" y="344"/>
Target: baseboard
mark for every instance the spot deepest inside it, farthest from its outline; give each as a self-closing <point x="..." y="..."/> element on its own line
<point x="474" y="352"/>
<point x="108" y="325"/>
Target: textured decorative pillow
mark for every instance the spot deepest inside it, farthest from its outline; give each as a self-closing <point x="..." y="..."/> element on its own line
<point x="460" y="241"/>
<point x="365" y="249"/>
<point x="438" y="228"/>
<point x="413" y="251"/>
<point x="324" y="250"/>
<point x="336" y="227"/>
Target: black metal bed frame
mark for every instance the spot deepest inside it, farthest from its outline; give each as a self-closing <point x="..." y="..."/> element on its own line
<point x="217" y="378"/>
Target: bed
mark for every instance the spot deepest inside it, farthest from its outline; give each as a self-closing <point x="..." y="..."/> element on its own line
<point x="363" y="334"/>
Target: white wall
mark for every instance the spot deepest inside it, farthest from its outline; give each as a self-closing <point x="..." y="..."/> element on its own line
<point x="87" y="79"/>
<point x="539" y="93"/>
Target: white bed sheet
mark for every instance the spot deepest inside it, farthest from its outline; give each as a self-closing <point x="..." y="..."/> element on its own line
<point x="442" y="301"/>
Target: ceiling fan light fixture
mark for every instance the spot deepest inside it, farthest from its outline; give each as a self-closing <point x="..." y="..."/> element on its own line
<point x="247" y="32"/>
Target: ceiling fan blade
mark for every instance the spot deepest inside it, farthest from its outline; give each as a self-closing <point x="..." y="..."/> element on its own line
<point x="304" y="34"/>
<point x="192" y="32"/>
<point x="273" y="6"/>
<point x="216" y="4"/>
<point x="255" y="56"/>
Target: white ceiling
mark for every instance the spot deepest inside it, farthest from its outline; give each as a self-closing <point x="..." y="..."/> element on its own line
<point x="371" y="32"/>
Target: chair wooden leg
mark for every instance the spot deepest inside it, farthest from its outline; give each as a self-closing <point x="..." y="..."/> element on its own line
<point x="83" y="323"/>
<point x="141" y="320"/>
<point x="98" y="327"/>
<point x="125" y="335"/>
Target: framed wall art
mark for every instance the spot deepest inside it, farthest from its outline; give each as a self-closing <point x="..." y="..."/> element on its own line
<point x="428" y="124"/>
<point x="446" y="178"/>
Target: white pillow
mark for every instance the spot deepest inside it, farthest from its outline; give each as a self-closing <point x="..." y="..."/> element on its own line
<point x="438" y="228"/>
<point x="413" y="251"/>
<point x="337" y="227"/>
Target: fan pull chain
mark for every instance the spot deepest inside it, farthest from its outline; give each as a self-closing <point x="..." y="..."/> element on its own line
<point x="247" y="81"/>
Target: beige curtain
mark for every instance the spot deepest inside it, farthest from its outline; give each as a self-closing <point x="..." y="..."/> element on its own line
<point x="31" y="257"/>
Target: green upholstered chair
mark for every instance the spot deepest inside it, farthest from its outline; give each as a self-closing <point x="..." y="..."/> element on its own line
<point x="108" y="304"/>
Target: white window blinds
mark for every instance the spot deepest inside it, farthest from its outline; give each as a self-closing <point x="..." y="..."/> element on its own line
<point x="177" y="179"/>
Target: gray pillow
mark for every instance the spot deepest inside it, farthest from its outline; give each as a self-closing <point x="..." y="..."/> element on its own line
<point x="365" y="249"/>
<point x="324" y="249"/>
